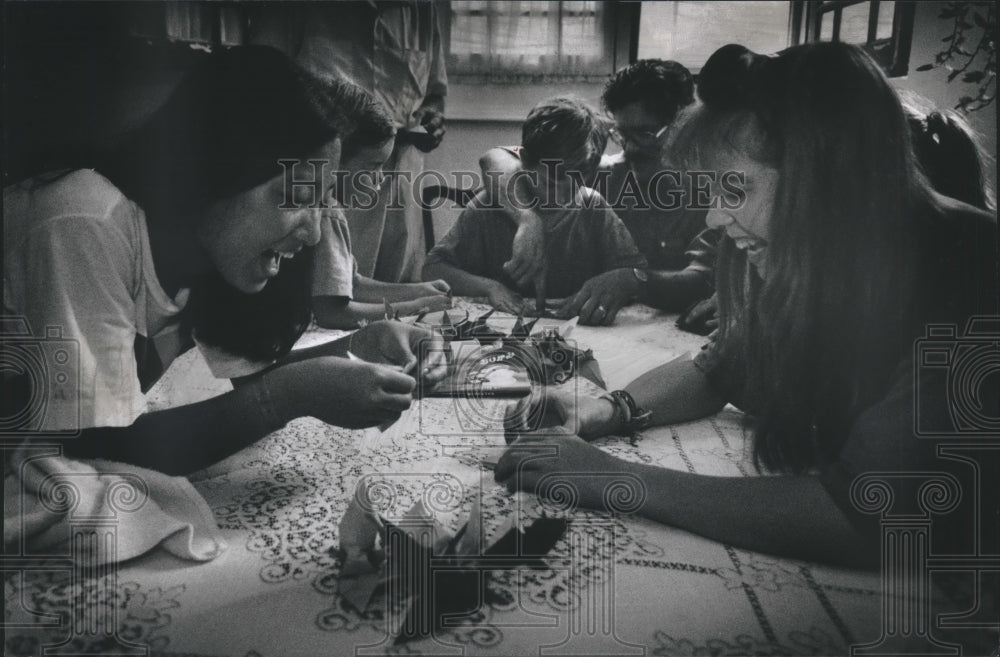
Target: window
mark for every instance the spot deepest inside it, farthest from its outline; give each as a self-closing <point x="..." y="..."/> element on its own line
<point x="885" y="29"/>
<point x="205" y="23"/>
<point x="536" y="40"/>
<point x="689" y="32"/>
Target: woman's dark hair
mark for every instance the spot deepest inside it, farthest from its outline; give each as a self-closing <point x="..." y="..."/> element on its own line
<point x="261" y="327"/>
<point x="264" y="326"/>
<point x="662" y="87"/>
<point x="820" y="336"/>
<point x="222" y="131"/>
<point x="951" y="156"/>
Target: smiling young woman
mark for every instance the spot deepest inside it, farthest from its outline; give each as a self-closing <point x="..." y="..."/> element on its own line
<point x="838" y="261"/>
<point x="117" y="251"/>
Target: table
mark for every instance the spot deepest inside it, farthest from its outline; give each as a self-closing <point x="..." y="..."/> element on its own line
<point x="614" y="586"/>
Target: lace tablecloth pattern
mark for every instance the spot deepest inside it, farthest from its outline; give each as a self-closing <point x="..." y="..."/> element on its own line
<point x="614" y="585"/>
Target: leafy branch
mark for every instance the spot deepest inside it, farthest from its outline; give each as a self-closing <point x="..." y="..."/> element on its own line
<point x="977" y="65"/>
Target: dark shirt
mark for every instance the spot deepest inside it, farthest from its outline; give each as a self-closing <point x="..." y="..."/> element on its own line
<point x="938" y="417"/>
<point x="655" y="214"/>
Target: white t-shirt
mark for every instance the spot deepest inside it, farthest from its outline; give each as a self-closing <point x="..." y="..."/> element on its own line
<point x="334" y="267"/>
<point x="78" y="267"/>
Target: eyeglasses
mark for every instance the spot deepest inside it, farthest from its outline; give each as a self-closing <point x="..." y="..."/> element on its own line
<point x="637" y="137"/>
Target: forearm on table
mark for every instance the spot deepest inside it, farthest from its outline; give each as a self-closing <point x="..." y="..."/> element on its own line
<point x="676" y="392"/>
<point x="344" y="313"/>
<point x="369" y="290"/>
<point x="791" y="516"/>
<point x="462" y="282"/>
<point x="673" y="291"/>
<point x="181" y="440"/>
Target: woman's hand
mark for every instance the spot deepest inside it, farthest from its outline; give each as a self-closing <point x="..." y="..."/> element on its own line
<point x="547" y="465"/>
<point x="413" y="349"/>
<point x="701" y="318"/>
<point x="600" y="298"/>
<point x="561" y="410"/>
<point x="339" y="391"/>
<point x="504" y="299"/>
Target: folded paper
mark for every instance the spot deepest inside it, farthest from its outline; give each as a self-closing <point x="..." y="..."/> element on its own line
<point x="426" y="574"/>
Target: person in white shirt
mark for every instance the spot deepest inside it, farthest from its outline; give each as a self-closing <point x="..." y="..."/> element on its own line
<point x="109" y="257"/>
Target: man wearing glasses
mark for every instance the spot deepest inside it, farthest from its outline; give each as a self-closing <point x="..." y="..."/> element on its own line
<point x="643" y="101"/>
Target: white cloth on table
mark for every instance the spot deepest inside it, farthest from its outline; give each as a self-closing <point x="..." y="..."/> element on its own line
<point x="46" y="495"/>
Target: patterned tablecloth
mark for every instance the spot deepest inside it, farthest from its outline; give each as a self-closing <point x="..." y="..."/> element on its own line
<point x="614" y="586"/>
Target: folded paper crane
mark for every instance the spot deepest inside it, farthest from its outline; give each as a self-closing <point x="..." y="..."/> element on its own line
<point x="427" y="575"/>
<point x="489" y="363"/>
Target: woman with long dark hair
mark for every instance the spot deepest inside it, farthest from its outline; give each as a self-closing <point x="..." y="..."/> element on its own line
<point x="195" y="200"/>
<point x="838" y="255"/>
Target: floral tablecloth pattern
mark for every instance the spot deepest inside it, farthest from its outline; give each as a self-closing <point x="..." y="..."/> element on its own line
<point x="614" y="585"/>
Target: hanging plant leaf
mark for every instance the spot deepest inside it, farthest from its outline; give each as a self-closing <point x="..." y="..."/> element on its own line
<point x="969" y="25"/>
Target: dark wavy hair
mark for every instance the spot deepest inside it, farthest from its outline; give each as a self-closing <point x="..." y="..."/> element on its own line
<point x="821" y="335"/>
<point x="662" y="87"/>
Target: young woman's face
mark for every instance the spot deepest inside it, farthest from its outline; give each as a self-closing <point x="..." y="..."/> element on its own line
<point x="749" y="225"/>
<point x="247" y="235"/>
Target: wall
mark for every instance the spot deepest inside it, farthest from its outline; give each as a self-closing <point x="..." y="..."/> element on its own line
<point x="933" y="85"/>
<point x="464" y="142"/>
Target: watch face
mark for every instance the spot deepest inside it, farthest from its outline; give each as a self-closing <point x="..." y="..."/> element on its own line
<point x="640" y="274"/>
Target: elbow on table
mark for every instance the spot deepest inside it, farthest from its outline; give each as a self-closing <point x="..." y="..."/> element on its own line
<point x="334" y="312"/>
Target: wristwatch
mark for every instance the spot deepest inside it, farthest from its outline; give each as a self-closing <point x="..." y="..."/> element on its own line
<point x="641" y="275"/>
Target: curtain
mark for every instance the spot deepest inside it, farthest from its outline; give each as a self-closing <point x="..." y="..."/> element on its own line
<point x="548" y="40"/>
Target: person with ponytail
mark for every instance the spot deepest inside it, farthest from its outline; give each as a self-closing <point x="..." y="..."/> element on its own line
<point x="838" y="257"/>
<point x="951" y="155"/>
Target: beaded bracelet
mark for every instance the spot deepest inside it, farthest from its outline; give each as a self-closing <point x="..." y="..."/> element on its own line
<point x="633" y="418"/>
